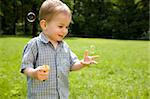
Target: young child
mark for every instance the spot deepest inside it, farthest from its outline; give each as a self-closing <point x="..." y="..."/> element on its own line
<point x="51" y="81"/>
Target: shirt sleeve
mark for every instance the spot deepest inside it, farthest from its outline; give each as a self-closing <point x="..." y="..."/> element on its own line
<point x="73" y="58"/>
<point x="29" y="55"/>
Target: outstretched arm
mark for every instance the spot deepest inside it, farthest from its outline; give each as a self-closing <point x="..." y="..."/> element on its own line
<point x="87" y="60"/>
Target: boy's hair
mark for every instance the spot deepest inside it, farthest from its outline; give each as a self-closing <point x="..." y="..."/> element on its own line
<point x="49" y="8"/>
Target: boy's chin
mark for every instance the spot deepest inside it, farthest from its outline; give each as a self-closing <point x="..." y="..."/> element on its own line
<point x="59" y="40"/>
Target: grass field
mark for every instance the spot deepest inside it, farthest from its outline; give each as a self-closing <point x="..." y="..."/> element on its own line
<point x="123" y="70"/>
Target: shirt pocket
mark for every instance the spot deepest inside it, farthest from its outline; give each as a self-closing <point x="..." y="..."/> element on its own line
<point x="64" y="64"/>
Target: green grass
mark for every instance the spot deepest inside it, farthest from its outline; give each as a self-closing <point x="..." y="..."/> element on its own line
<point x="122" y="71"/>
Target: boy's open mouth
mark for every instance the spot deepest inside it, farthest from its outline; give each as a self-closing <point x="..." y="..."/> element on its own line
<point x="60" y="35"/>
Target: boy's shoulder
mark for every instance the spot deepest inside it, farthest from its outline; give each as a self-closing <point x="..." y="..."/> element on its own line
<point x="32" y="43"/>
<point x="65" y="44"/>
<point x="33" y="40"/>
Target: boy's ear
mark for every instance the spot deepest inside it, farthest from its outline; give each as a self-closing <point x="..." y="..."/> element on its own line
<point x="43" y="24"/>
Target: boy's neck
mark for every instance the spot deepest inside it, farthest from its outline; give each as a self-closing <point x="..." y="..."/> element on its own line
<point x="54" y="43"/>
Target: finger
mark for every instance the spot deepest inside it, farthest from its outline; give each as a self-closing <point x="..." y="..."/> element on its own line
<point x="44" y="73"/>
<point x="93" y="57"/>
<point x="88" y="63"/>
<point x="43" y="70"/>
<point x="86" y="53"/>
<point x="43" y="76"/>
<point x="93" y="62"/>
<point x="39" y="77"/>
<point x="85" y="63"/>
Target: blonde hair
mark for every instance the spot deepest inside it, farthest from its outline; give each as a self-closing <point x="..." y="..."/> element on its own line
<point x="50" y="8"/>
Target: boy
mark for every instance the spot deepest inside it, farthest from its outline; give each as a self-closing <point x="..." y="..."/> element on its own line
<point x="49" y="49"/>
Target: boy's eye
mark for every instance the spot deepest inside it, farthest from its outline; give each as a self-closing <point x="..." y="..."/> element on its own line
<point x="60" y="26"/>
<point x="67" y="27"/>
<point x="63" y="26"/>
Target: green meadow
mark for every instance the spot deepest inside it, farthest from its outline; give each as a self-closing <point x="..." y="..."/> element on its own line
<point x="122" y="71"/>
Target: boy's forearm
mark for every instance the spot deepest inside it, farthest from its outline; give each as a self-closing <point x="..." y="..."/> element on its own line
<point x="77" y="66"/>
<point x="29" y="71"/>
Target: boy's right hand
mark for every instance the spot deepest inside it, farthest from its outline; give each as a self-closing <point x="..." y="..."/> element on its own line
<point x="41" y="72"/>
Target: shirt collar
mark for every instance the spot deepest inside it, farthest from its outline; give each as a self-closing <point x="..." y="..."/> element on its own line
<point x="44" y="39"/>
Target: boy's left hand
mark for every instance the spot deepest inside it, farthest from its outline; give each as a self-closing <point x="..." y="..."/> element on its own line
<point x="87" y="60"/>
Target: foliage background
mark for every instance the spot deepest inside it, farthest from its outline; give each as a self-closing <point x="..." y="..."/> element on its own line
<point x="123" y="69"/>
<point x="121" y="19"/>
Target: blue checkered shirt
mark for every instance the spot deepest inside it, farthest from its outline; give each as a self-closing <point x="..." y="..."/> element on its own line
<point x="39" y="51"/>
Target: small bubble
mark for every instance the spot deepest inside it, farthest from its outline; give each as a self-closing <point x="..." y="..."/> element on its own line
<point x="92" y="49"/>
<point x="31" y="17"/>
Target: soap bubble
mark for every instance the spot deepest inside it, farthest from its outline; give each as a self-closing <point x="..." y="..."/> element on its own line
<point x="92" y="50"/>
<point x="31" y="17"/>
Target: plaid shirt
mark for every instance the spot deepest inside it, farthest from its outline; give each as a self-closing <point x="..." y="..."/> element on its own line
<point x="39" y="51"/>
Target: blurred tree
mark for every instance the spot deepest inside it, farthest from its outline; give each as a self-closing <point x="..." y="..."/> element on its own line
<point x="89" y="17"/>
<point x="1" y="14"/>
<point x="6" y="19"/>
<point x="30" y="6"/>
<point x="15" y="17"/>
<point x="123" y="19"/>
<point x="69" y="3"/>
<point x="129" y="19"/>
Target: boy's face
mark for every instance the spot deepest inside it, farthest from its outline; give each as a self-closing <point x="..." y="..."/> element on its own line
<point x="57" y="28"/>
